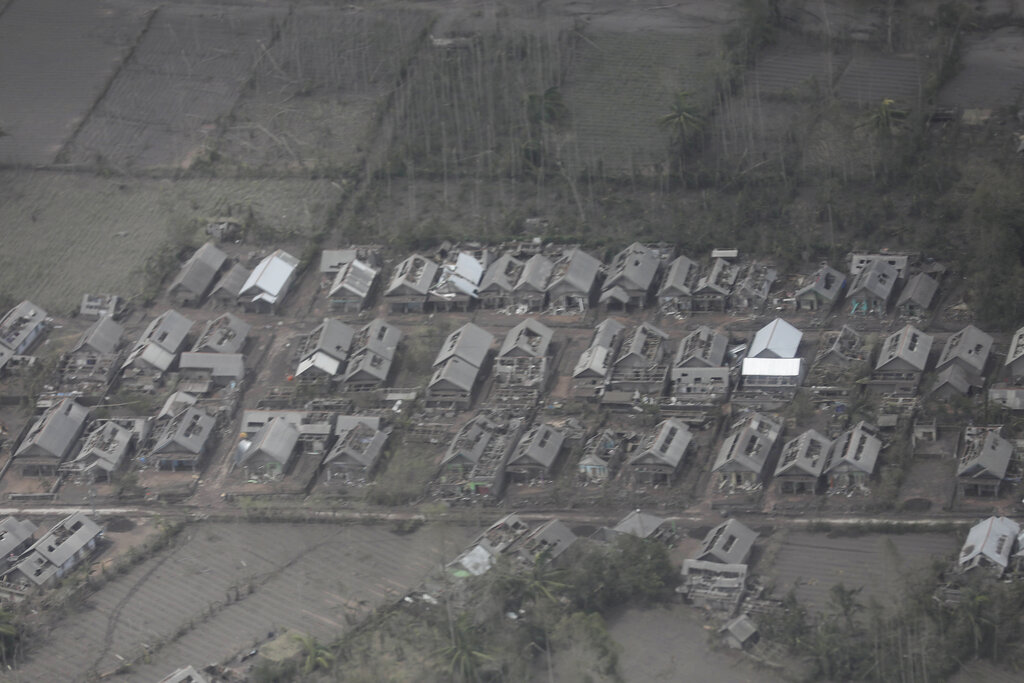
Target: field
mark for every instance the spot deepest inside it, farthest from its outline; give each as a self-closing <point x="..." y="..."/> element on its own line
<point x="991" y="72"/>
<point x="181" y="605"/>
<point x="68" y="234"/>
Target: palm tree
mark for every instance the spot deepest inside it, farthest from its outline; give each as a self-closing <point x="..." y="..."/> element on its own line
<point x="683" y="120"/>
<point x="462" y="657"/>
<point x="316" y="655"/>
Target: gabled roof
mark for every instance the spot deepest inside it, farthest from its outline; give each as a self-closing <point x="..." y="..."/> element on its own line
<point x="55" y="432"/>
<point x="470" y="343"/>
<point x="805" y="455"/>
<point x="269" y="280"/>
<point x="645" y="340"/>
<point x="919" y="290"/>
<point x="56" y="549"/>
<point x="373" y="350"/>
<point x="777" y="339"/>
<point x="878" y="279"/>
<point x="455" y="371"/>
<point x="748" y="444"/>
<point x="595" y="360"/>
<point x="362" y="444"/>
<point x="719" y="279"/>
<point x="970" y="346"/>
<point x="19" y="324"/>
<point x="575" y="272"/>
<point x="986" y="454"/>
<point x="541" y="445"/>
<point x="953" y="376"/>
<point x="666" y="445"/>
<point x="355" y="278"/>
<point x="856" y="449"/>
<point x="275" y="440"/>
<point x="826" y="284"/>
<point x="186" y="432"/>
<point x="502" y="275"/>
<point x="989" y="542"/>
<point x="168" y="331"/>
<point x="909" y="345"/>
<point x="414" y="275"/>
<point x="223" y="334"/>
<point x="549" y="540"/>
<point x="703" y="348"/>
<point x="681" y="278"/>
<point x="331" y="337"/>
<point x="198" y="273"/>
<point x="230" y="283"/>
<point x="536" y="274"/>
<point x="529" y="338"/>
<point x="459" y="278"/>
<point x="13" y="533"/>
<point x="471" y="441"/>
<point x="103" y="336"/>
<point x="1016" y="351"/>
<point x="608" y="333"/>
<point x="639" y="524"/>
<point x="728" y="543"/>
<point x="633" y="268"/>
<point x="105" y="447"/>
<point x="219" y="364"/>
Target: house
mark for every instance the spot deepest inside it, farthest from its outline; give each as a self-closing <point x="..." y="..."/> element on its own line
<point x="601" y="455"/>
<point x="731" y="542"/>
<point x="658" y="459"/>
<point x="373" y="352"/>
<point x="157" y="350"/>
<point x="536" y="454"/>
<point x="983" y="462"/>
<point x="412" y="279"/>
<point x="458" y="366"/>
<point x="271" y="450"/>
<point x="499" y="280"/>
<point x="949" y="382"/>
<point x="16" y="536"/>
<point x="769" y="381"/>
<point x="631" y="278"/>
<point x="531" y="290"/>
<point x="916" y="297"/>
<point x="104" y="450"/>
<point x="753" y="287"/>
<point x="645" y="526"/>
<point x="872" y="288"/>
<point x="456" y="286"/>
<point x="197" y="276"/>
<point x="641" y="364"/>
<point x="897" y="261"/>
<point x="715" y="287"/>
<point x="573" y="281"/>
<point x="901" y="362"/>
<point x="352" y="286"/>
<point x="103" y="338"/>
<point x="98" y="305"/>
<point x="19" y="329"/>
<point x="315" y="427"/>
<point x="50" y="439"/>
<point x="713" y="584"/>
<point x="821" y="291"/>
<point x="676" y="292"/>
<point x="475" y="459"/>
<point x="853" y="457"/>
<point x="777" y="339"/>
<point x="226" y="292"/>
<point x="744" y="454"/>
<point x="267" y="285"/>
<point x="356" y="453"/>
<point x="968" y="349"/>
<point x="546" y="543"/>
<point x="988" y="545"/>
<point x="182" y="441"/>
<point x="224" y="334"/>
<point x="201" y="373"/>
<point x="334" y="260"/>
<point x="324" y="351"/>
<point x="699" y="370"/>
<point x="802" y="463"/>
<point x="840" y="349"/>
<point x="1015" y="356"/>
<point x="524" y="356"/>
<point x="57" y="552"/>
<point x="591" y="371"/>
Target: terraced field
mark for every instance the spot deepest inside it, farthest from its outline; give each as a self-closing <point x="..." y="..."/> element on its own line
<point x="180" y="606"/>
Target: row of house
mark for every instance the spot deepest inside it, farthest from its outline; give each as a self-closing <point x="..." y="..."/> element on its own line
<point x="29" y="563"/>
<point x="210" y="273"/>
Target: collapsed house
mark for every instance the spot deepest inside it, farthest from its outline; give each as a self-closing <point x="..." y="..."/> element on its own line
<point x="323" y="354"/>
<point x="226" y="333"/>
<point x="106" y="448"/>
<point x="456" y="286"/>
<point x="475" y="460"/>
<point x="92" y="364"/>
<point x="357" y="451"/>
<point x="523" y="363"/>
<point x="601" y="455"/>
<point x="716" y="576"/>
<point x="19" y="330"/>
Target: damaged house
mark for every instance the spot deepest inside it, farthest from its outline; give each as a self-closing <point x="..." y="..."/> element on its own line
<point x="531" y="290"/>
<point x="699" y="371"/>
<point x="821" y="291"/>
<point x="989" y="545"/>
<point x="524" y="359"/>
<point x="224" y="334"/>
<point x="916" y="298"/>
<point x="872" y="288"/>
<point x="373" y="352"/>
<point x="475" y="459"/>
<point x="197" y="276"/>
<point x="57" y="552"/>
<point x="499" y="280"/>
<point x="182" y="441"/>
<point x="961" y="366"/>
<point x="412" y="280"/>
<point x="802" y="463"/>
<point x="457" y="368"/>
<point x="715" y="287"/>
<point x="573" y="282"/>
<point x="91" y="366"/>
<point x="104" y="450"/>
<point x="641" y="364"/>
<point x="352" y="287"/>
<point x="590" y="374"/>
<point x="676" y="293"/>
<point x="536" y="455"/>
<point x="271" y="451"/>
<point x="357" y="451"/>
<point x="456" y="285"/>
<point x="901" y="362"/>
<point x="744" y="454"/>
<point x="19" y="330"/>
<point x="631" y="278"/>
<point x="660" y="456"/>
<point x="156" y="351"/>
<point x="983" y="462"/>
<point x="50" y="439"/>
<point x="853" y="457"/>
<point x="323" y="354"/>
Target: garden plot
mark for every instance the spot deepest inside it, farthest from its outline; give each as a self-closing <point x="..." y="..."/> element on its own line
<point x="56" y="57"/>
<point x="316" y="94"/>
<point x="68" y="234"/>
<point x="795" y="71"/>
<point x="186" y="73"/>
<point x="181" y="604"/>
<point x="619" y="86"/>
<point x="811" y="563"/>
<point x="991" y="72"/>
<point x="870" y="79"/>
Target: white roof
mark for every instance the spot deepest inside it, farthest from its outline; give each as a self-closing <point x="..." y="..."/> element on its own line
<point x="270" y="276"/>
<point x="773" y="367"/>
<point x="322" y="361"/>
<point x="778" y="338"/>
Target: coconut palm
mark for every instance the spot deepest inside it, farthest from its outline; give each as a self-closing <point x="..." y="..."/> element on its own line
<point x="683" y="121"/>
<point x="315" y="655"/>
<point x="462" y="657"/>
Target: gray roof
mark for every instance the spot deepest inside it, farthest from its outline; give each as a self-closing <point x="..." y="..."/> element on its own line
<point x="362" y="444"/>
<point x="455" y="371"/>
<point x="748" y="444"/>
<point x="878" y="279"/>
<point x="103" y="336"/>
<point x="805" y="455"/>
<point x="55" y="432"/>
<point x="681" y="278"/>
<point x="986" y="454"/>
<point x="56" y="548"/>
<point x="719" y="279"/>
<point x="536" y="274"/>
<point x="230" y="283"/>
<point x="633" y="268"/>
<point x="470" y="343"/>
<point x="640" y="344"/>
<point x="594" y="360"/>
<point x="219" y="364"/>
<point x="608" y="333"/>
<point x="356" y="278"/>
<point x="275" y="440"/>
<point x="13" y="533"/>
<point x="18" y="325"/>
<point x="970" y="346"/>
<point x="333" y="260"/>
<point x="168" y="331"/>
<point x="549" y="540"/>
<point x="471" y="441"/>
<point x="953" y="376"/>
<point x="703" y="347"/>
<point x="989" y="542"/>
<point x="198" y="273"/>
<point x="332" y="337"/>
<point x="541" y="445"/>
<point x="502" y="275"/>
<point x="223" y="334"/>
<point x="919" y="290"/>
<point x="374" y="349"/>
<point x="414" y="275"/>
<point x="1016" y="350"/>
<point x="666" y="445"/>
<point x="856" y="449"/>
<point x="105" y="447"/>
<point x="186" y="432"/>
<point x="777" y="339"/>
<point x="728" y="543"/>
<point x="528" y="338"/>
<point x="825" y="284"/>
<point x="639" y="524"/>
<point x="574" y="272"/>
<point x="909" y="345"/>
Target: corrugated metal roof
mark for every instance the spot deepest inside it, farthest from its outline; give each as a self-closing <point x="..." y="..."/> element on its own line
<point x="271" y="276"/>
<point x="771" y="367"/>
<point x="777" y="339"/>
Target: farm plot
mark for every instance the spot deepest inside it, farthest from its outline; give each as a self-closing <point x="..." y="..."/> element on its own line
<point x="182" y="607"/>
<point x="619" y="86"/>
<point x="56" y="56"/>
<point x="991" y="72"/>
<point x="869" y="79"/>
<point x="315" y="96"/>
<point x="811" y="563"/>
<point x="186" y="73"/>
<point x="68" y="234"/>
<point x="795" y="71"/>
